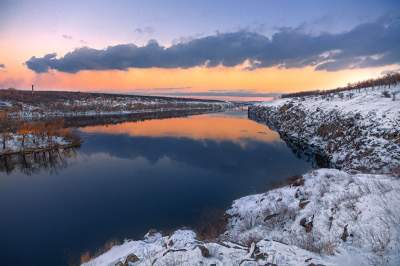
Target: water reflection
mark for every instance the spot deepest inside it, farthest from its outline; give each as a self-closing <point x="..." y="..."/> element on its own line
<point x="51" y="161"/>
<point x="126" y="179"/>
<point x="219" y="127"/>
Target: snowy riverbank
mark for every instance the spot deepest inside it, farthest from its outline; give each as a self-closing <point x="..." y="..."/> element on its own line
<point x="356" y="130"/>
<point x="18" y="137"/>
<point x="41" y="105"/>
<point x="326" y="216"/>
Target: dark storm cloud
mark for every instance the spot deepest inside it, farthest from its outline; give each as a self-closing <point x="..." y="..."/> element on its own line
<point x="41" y="65"/>
<point x="369" y="44"/>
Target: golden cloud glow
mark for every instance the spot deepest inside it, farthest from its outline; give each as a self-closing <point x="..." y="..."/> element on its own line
<point x="15" y="50"/>
<point x="196" y="79"/>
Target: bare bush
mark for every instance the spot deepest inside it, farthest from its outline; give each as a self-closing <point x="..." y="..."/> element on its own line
<point x="172" y="259"/>
<point x="212" y="223"/>
<point x="248" y="221"/>
<point x="308" y="242"/>
<point x="386" y="94"/>
<point x="250" y="238"/>
<point x="380" y="238"/>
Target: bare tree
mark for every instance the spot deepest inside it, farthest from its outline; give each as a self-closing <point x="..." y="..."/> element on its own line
<point x="5" y="127"/>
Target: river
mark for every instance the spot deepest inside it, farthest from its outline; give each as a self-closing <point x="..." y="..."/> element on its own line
<point x="130" y="177"/>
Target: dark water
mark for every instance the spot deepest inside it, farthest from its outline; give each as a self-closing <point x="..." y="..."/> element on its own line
<point x="134" y="176"/>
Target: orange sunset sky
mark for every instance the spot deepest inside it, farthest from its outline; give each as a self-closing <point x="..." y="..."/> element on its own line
<point x="29" y="30"/>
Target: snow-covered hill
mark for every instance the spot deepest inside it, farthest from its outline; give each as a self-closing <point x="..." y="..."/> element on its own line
<point x="350" y="218"/>
<point x="357" y="130"/>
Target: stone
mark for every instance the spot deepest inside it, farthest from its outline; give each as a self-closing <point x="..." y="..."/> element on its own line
<point x="308" y="225"/>
<point x="303" y="203"/>
<point x="345" y="234"/>
<point x="131" y="258"/>
<point x="204" y="251"/>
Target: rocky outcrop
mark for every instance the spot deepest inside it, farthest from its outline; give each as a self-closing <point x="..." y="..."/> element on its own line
<point x="187" y="250"/>
<point x="359" y="133"/>
<point x="349" y="217"/>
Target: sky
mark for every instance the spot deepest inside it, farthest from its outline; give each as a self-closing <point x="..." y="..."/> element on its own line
<point x="206" y="48"/>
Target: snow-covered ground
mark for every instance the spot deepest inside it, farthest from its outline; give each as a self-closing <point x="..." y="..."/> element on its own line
<point x="325" y="217"/>
<point x="5" y="104"/>
<point x="182" y="248"/>
<point x="353" y="218"/>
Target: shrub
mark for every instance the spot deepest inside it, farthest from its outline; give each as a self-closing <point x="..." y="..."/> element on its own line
<point x="386" y="94"/>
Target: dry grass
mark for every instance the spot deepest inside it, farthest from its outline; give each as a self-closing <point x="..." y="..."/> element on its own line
<point x="212" y="223"/>
<point x="87" y="255"/>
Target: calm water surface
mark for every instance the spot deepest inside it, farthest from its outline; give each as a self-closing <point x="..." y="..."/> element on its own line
<point x="130" y="177"/>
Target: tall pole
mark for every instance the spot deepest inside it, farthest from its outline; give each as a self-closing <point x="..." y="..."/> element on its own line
<point x="32" y="89"/>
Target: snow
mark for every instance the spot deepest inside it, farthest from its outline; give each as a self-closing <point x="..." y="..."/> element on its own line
<point x="181" y="247"/>
<point x="365" y="101"/>
<point x="5" y="104"/>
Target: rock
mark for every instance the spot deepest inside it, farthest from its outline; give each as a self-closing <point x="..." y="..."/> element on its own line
<point x="345" y="234"/>
<point x="308" y="225"/>
<point x="204" y="251"/>
<point x="261" y="256"/>
<point x="151" y="232"/>
<point x="297" y="194"/>
<point x="131" y="258"/>
<point x="269" y="217"/>
<point x="152" y="235"/>
<point x="257" y="254"/>
<point x="303" y="203"/>
<point x="296" y="181"/>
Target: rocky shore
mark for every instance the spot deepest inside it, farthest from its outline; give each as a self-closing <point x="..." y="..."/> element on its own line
<point x="355" y="131"/>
